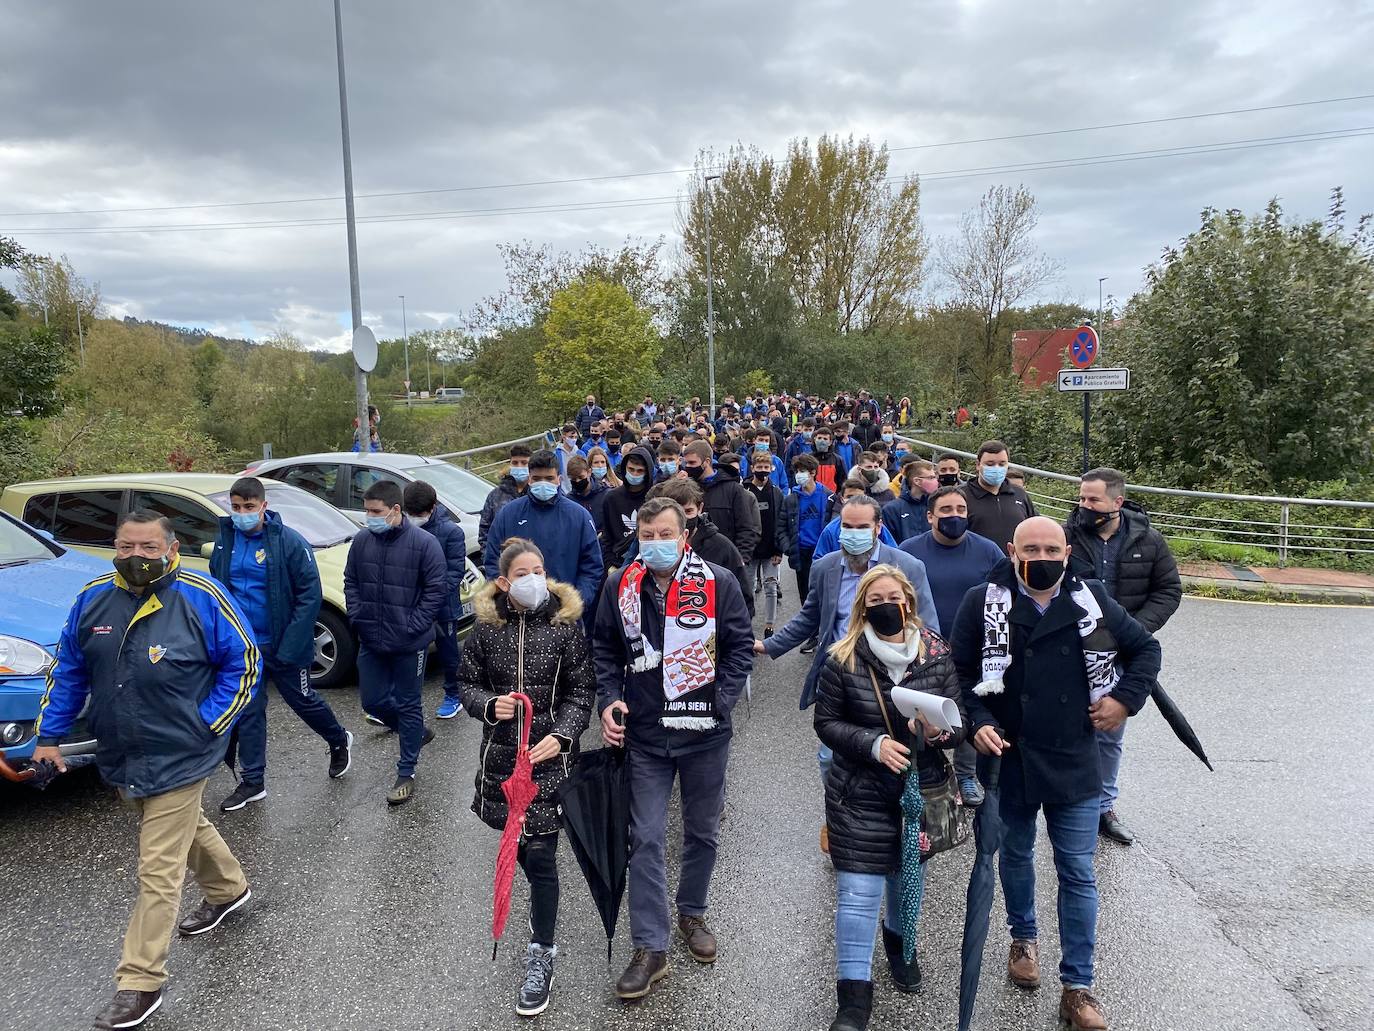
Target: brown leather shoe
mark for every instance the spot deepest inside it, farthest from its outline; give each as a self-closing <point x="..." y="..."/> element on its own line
<point x="1023" y="964"/>
<point x="825" y="839"/>
<point x="645" y="969"/>
<point x="701" y="943"/>
<point x="1081" y="1011"/>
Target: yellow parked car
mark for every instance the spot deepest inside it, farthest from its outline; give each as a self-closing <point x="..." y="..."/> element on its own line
<point x="80" y="512"/>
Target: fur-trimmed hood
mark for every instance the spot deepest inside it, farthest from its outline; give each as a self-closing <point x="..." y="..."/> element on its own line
<point x="564" y="605"/>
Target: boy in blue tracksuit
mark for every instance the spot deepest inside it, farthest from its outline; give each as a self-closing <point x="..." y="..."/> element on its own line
<point x="559" y="527"/>
<point x="270" y="571"/>
<point x="421" y="503"/>
<point x="804" y="515"/>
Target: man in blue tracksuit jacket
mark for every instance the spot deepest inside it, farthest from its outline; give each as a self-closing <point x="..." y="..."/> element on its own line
<point x="421" y="503"/>
<point x="395" y="584"/>
<point x="270" y="571"/>
<point x="167" y="662"/>
<point x="559" y="527"/>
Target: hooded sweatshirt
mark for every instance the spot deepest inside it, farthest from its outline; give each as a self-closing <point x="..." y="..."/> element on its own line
<point x="620" y="510"/>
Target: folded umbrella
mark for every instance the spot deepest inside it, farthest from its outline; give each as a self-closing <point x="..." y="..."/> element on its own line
<point x="594" y="803"/>
<point x="987" y="837"/>
<point x="520" y="790"/>
<point x="1178" y="723"/>
<point x="913" y="869"/>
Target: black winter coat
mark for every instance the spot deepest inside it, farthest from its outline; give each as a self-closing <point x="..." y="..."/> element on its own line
<point x="505" y="491"/>
<point x="1043" y="706"/>
<point x="862" y="796"/>
<point x="729" y="509"/>
<point x="542" y="654"/>
<point x="451" y="538"/>
<point x="772" y="523"/>
<point x="395" y="585"/>
<point x="1147" y="584"/>
<point x="620" y="511"/>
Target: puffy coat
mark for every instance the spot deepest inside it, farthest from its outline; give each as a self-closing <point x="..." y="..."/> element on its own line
<point x="541" y="653"/>
<point x="905" y="516"/>
<point x="1147" y="582"/>
<point x="728" y="507"/>
<point x="562" y="530"/>
<point x="395" y="583"/>
<point x="506" y="491"/>
<point x="452" y="539"/>
<point x="863" y="797"/>
<point x="293" y="587"/>
<point x="167" y="673"/>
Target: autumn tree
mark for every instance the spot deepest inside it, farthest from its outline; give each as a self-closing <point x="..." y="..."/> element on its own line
<point x="596" y="340"/>
<point x="52" y="290"/>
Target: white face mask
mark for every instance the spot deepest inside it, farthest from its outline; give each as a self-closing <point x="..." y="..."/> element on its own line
<point x="530" y="591"/>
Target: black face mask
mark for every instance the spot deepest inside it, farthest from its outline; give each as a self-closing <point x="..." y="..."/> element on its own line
<point x="953" y="526"/>
<point x="692" y="523"/>
<point x="762" y="476"/>
<point x="138" y="571"/>
<point x="887" y="619"/>
<point x="1093" y="519"/>
<point x="1040" y="574"/>
<point x="580" y="485"/>
<point x="694" y="471"/>
<point x="948" y="479"/>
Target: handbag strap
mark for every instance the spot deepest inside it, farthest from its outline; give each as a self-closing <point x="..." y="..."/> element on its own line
<point x="882" y="705"/>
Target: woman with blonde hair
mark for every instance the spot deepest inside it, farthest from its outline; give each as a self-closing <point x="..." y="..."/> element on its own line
<point x="885" y="646"/>
<point x="603" y="467"/>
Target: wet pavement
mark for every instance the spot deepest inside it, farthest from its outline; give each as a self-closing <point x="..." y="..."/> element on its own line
<point x="1248" y="901"/>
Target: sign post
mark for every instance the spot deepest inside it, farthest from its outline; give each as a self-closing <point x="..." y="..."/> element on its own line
<point x="1083" y="351"/>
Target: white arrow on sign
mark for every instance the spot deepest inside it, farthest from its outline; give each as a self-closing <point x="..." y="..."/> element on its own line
<point x="1094" y="379"/>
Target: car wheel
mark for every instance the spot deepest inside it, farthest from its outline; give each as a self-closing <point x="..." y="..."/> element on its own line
<point x="335" y="651"/>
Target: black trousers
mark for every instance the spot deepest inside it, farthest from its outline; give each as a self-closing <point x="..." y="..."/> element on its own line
<point x="803" y="575"/>
<point x="538" y="857"/>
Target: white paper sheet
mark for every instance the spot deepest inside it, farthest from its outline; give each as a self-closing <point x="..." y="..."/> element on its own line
<point x="939" y="712"/>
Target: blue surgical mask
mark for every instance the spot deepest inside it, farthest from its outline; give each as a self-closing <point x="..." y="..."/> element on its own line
<point x="599" y="471"/>
<point x="659" y="556"/>
<point x="634" y="479"/>
<point x="667" y="468"/>
<point x="246" y="521"/>
<point x="899" y="454"/>
<point x="377" y="524"/>
<point x="856" y="542"/>
<point x="806" y="434"/>
<point x="520" y="473"/>
<point x="543" y="490"/>
<point x="761" y="445"/>
<point x="887" y="438"/>
<point x="993" y="474"/>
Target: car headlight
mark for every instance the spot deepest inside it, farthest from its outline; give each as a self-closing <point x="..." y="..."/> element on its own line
<point x="21" y="658"/>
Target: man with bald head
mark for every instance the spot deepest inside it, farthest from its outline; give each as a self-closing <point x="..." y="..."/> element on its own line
<point x="1046" y="660"/>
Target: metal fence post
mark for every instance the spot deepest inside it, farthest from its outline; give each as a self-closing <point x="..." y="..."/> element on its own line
<point x="1283" y="535"/>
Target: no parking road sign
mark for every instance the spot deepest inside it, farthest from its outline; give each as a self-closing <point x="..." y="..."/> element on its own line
<point x="1083" y="348"/>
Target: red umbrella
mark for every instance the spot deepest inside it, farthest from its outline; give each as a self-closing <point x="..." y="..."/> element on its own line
<point x="520" y="790"/>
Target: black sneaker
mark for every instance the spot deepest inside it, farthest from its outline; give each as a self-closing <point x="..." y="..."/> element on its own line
<point x="534" y="993"/>
<point x="401" y="791"/>
<point x="810" y="646"/>
<point x="242" y="795"/>
<point x="767" y="632"/>
<point x="429" y="736"/>
<point x="341" y="758"/>
<point x="128" y="1008"/>
<point x="207" y="915"/>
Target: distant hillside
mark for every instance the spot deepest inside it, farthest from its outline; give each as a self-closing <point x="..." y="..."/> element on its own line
<point x="193" y="337"/>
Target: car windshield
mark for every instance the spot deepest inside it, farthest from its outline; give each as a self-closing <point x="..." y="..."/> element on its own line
<point x="466" y="490"/>
<point x="321" y="525"/>
<point x="17" y="547"/>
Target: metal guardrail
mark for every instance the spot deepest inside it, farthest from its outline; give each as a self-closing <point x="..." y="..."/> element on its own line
<point x="488" y="469"/>
<point x="1283" y="536"/>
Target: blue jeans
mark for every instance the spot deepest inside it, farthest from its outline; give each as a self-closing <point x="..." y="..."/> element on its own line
<point x="825" y="756"/>
<point x="1109" y="762"/>
<point x="450" y="651"/>
<point x="858" y="896"/>
<point x="389" y="687"/>
<point x="293" y="684"/>
<point x="1073" y="836"/>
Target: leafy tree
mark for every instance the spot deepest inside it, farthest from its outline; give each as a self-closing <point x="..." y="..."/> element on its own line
<point x="991" y="266"/>
<point x="1253" y="343"/>
<point x="9" y="306"/>
<point x="597" y="340"/>
<point x="206" y="360"/>
<point x="53" y="287"/>
<point x="32" y="365"/>
<point x="135" y="370"/>
<point x="11" y="254"/>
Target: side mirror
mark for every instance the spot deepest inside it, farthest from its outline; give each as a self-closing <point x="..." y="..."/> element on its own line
<point x="207" y="549"/>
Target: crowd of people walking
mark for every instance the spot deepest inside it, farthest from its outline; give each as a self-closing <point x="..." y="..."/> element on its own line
<point x="634" y="573"/>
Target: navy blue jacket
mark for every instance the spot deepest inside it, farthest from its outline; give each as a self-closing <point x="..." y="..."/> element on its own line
<point x="561" y="529"/>
<point x="454" y="542"/>
<point x="1043" y="707"/>
<point x="293" y="587"/>
<point x="642" y="693"/>
<point x="905" y="517"/>
<point x="166" y="672"/>
<point x="395" y="583"/>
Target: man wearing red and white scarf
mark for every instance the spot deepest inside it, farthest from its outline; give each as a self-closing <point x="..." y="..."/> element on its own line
<point x="673" y="644"/>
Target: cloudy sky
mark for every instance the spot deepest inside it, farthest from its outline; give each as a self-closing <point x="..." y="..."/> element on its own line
<point x="225" y="116"/>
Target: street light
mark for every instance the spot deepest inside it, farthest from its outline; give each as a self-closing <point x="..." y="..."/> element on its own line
<point x="1100" y="281"/>
<point x="710" y="305"/>
<point x="405" y="333"/>
<point x="355" y="292"/>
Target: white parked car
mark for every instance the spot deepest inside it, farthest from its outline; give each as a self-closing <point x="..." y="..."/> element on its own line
<point x="342" y="477"/>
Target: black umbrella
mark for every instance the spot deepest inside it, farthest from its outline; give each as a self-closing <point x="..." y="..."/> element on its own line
<point x="987" y="837"/>
<point x="1178" y="723"/>
<point x="594" y="803"/>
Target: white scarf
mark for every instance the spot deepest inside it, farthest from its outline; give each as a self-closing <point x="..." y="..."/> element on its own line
<point x="895" y="657"/>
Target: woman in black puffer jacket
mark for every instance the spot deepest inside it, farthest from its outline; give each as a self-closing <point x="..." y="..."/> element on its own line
<point x="885" y="646"/>
<point x="528" y="640"/>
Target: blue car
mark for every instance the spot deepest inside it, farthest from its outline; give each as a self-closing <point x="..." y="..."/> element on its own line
<point x="39" y="580"/>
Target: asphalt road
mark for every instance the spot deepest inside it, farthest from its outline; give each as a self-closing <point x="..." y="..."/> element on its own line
<point x="1248" y="901"/>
